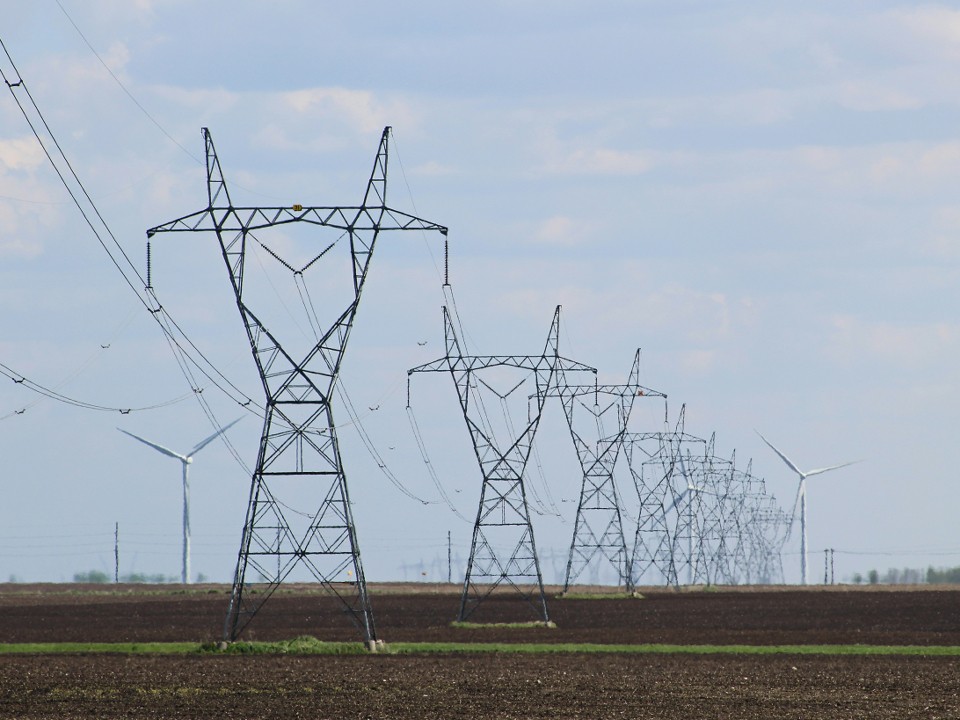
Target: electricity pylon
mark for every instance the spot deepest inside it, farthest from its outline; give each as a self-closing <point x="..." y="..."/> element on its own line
<point x="663" y="484"/>
<point x="299" y="453"/>
<point x="598" y="528"/>
<point x="503" y="550"/>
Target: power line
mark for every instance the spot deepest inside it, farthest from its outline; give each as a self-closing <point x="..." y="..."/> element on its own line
<point x="115" y="252"/>
<point x="124" y="87"/>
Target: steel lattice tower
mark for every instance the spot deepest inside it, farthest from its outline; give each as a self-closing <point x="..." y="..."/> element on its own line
<point x="663" y="485"/>
<point x="701" y="519"/>
<point x="298" y="447"/>
<point x="503" y="516"/>
<point x="598" y="528"/>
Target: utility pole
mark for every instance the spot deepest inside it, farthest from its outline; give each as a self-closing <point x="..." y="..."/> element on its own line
<point x="298" y="446"/>
<point x="449" y="559"/>
<point x="116" y="553"/>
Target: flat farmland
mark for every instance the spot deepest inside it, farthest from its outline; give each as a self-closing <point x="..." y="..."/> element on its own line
<point x="486" y="685"/>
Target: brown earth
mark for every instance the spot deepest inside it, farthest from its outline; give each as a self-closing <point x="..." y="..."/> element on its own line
<point x="762" y="617"/>
<point x="487" y="686"/>
<point x="426" y="687"/>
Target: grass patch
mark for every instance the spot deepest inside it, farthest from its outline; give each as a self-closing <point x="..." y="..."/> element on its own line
<point x="145" y="648"/>
<point x="600" y="596"/>
<point x="402" y="648"/>
<point x="303" y="645"/>
<point x="462" y="625"/>
<point x="311" y="646"/>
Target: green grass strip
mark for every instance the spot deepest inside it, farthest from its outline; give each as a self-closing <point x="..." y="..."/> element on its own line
<point x="599" y="596"/>
<point x="463" y="625"/>
<point x="142" y="648"/>
<point x="311" y="646"/>
<point x="545" y="648"/>
<point x="304" y="645"/>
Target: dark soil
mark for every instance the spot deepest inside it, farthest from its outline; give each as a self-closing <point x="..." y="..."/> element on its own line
<point x="485" y="685"/>
<point x="761" y="617"/>
<point x="479" y="686"/>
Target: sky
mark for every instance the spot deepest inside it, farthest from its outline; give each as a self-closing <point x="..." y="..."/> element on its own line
<point x="759" y="195"/>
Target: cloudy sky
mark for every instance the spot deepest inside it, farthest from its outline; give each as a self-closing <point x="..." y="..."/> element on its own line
<point x="761" y="196"/>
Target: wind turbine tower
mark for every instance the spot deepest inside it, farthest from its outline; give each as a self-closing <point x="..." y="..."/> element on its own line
<point x="802" y="499"/>
<point x="186" y="459"/>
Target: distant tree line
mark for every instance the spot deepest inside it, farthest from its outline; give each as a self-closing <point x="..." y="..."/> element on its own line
<point x="98" y="576"/>
<point x="911" y="576"/>
<point x="943" y="576"/>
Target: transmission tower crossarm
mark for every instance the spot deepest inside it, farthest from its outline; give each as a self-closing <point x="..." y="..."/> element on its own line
<point x="618" y="390"/>
<point x="439" y="365"/>
<point x="373" y="215"/>
<point x="481" y="362"/>
<point x="237" y="219"/>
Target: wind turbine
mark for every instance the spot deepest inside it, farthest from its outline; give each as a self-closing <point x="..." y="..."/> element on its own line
<point x="186" y="460"/>
<point x="802" y="498"/>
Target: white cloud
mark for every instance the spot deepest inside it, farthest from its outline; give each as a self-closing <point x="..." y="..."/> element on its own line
<point x="906" y="169"/>
<point x="875" y="95"/>
<point x="433" y="169"/>
<point x="558" y="230"/>
<point x="20" y="247"/>
<point x="627" y="300"/>
<point x="944" y="242"/>
<point x="20" y="154"/>
<point x="20" y="238"/>
<point x="599" y="161"/>
<point x="205" y="100"/>
<point x="698" y="362"/>
<point x="931" y="27"/>
<point x="358" y="108"/>
<point x="907" y="346"/>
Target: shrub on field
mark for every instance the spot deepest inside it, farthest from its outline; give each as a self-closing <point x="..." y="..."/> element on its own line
<point x="91" y="576"/>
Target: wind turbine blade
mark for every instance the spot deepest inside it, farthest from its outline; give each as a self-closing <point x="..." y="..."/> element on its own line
<point x="160" y="448"/>
<point x="683" y="468"/>
<point x="796" y="503"/>
<point x="203" y="443"/>
<point x="677" y="500"/>
<point x="783" y="457"/>
<point x="832" y="467"/>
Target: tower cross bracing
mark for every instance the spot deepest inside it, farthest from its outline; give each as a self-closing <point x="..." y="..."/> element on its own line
<point x="503" y="550"/>
<point x="598" y="526"/>
<point x="298" y="447"/>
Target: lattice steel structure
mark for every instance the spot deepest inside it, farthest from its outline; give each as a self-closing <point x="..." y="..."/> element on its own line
<point x="702" y="520"/>
<point x="299" y="453"/>
<point x="665" y="532"/>
<point x="598" y="527"/>
<point x="749" y="531"/>
<point x="503" y="549"/>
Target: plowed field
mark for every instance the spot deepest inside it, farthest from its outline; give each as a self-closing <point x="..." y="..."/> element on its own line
<point x="487" y="686"/>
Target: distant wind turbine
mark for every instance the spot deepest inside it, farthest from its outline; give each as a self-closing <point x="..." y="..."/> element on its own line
<point x="186" y="460"/>
<point x="802" y="498"/>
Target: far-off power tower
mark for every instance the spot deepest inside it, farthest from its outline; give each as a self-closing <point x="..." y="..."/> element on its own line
<point x="503" y="551"/>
